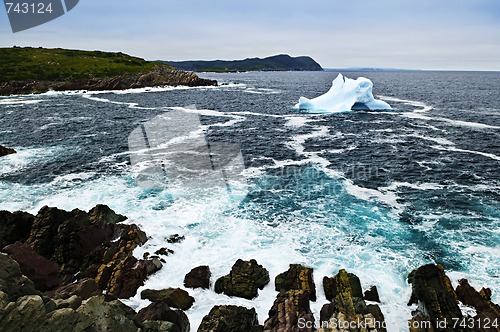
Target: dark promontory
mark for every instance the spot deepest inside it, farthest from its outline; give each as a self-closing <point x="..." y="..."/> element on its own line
<point x="280" y="62"/>
<point x="38" y="70"/>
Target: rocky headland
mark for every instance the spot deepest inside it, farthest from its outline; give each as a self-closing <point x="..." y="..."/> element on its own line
<point x="37" y="70"/>
<point x="67" y="271"/>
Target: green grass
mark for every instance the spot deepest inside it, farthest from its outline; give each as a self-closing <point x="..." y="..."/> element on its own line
<point x="23" y="64"/>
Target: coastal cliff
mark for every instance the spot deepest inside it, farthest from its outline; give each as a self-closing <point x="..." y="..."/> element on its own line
<point x="38" y="70"/>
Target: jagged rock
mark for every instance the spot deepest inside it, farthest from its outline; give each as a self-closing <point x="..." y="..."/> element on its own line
<point x="230" y="318"/>
<point x="174" y="297"/>
<point x="43" y="272"/>
<point x="5" y="151"/>
<point x="331" y="287"/>
<point x="14" y="226"/>
<point x="372" y="294"/>
<point x="487" y="311"/>
<point x="297" y="277"/>
<point x="436" y="299"/>
<point x="12" y="282"/>
<point x="92" y="245"/>
<point x="244" y="280"/>
<point x="348" y="308"/>
<point x="159" y="313"/>
<point x="291" y="313"/>
<point x="26" y="314"/>
<point x="103" y="213"/>
<point x="84" y="289"/>
<point x="199" y="277"/>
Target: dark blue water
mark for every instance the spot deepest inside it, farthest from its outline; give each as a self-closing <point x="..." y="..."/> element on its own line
<point x="375" y="192"/>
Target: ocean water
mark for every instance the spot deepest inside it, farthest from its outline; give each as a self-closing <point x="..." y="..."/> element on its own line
<point x="376" y="193"/>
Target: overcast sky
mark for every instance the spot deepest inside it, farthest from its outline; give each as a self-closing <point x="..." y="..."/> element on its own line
<point x="419" y="34"/>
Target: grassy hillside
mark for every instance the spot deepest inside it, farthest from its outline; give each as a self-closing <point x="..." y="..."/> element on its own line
<point x="280" y="62"/>
<point x="22" y="64"/>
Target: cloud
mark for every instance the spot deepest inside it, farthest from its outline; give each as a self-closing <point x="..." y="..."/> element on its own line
<point x="446" y="34"/>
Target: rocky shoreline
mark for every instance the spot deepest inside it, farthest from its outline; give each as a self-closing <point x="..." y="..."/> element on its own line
<point x="66" y="271"/>
<point x="160" y="76"/>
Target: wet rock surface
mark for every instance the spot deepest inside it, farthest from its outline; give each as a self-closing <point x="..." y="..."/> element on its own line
<point x="297" y="277"/>
<point x="290" y="312"/>
<point x="244" y="280"/>
<point x="199" y="277"/>
<point x="174" y="297"/>
<point x="230" y="318"/>
<point x="6" y="151"/>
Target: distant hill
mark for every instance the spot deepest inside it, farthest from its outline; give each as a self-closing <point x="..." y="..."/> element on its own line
<point x="34" y="70"/>
<point x="368" y="69"/>
<point x="280" y="62"/>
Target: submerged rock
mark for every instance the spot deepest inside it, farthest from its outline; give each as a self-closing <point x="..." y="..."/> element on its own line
<point x="297" y="277"/>
<point x="230" y="318"/>
<point x="290" y="312"/>
<point x="244" y="280"/>
<point x="174" y="297"/>
<point x="347" y="307"/>
<point x="199" y="277"/>
<point x="6" y="151"/>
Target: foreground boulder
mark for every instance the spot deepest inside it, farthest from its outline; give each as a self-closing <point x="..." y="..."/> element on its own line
<point x="297" y="277"/>
<point x="174" y="297"/>
<point x="244" y="280"/>
<point x="159" y="317"/>
<point x="230" y="318"/>
<point x="437" y="302"/>
<point x="290" y="312"/>
<point x="13" y="284"/>
<point x="347" y="307"/>
<point x="5" y="151"/>
<point x="43" y="272"/>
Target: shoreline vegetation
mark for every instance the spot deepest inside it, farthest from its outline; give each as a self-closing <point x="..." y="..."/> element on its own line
<point x="37" y="70"/>
<point x="68" y="270"/>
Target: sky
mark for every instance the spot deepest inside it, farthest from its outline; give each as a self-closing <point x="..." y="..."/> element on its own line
<point x="411" y="34"/>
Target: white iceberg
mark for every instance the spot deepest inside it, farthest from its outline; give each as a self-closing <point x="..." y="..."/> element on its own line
<point x="345" y="95"/>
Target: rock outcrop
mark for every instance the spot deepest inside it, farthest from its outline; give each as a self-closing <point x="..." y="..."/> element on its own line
<point x="290" y="312"/>
<point x="43" y="272"/>
<point x="199" y="277"/>
<point x="158" y="316"/>
<point x="297" y="277"/>
<point x="79" y="245"/>
<point x="437" y="302"/>
<point x="174" y="297"/>
<point x="14" y="227"/>
<point x="347" y="307"/>
<point x="230" y="318"/>
<point x="158" y="76"/>
<point x="5" y="151"/>
<point x="487" y="311"/>
<point x="244" y="280"/>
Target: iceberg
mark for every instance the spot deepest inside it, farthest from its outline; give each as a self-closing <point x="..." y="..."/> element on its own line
<point x="345" y="95"/>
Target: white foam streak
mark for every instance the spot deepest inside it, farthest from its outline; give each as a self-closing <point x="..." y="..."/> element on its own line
<point x="453" y="149"/>
<point x="423" y="107"/>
